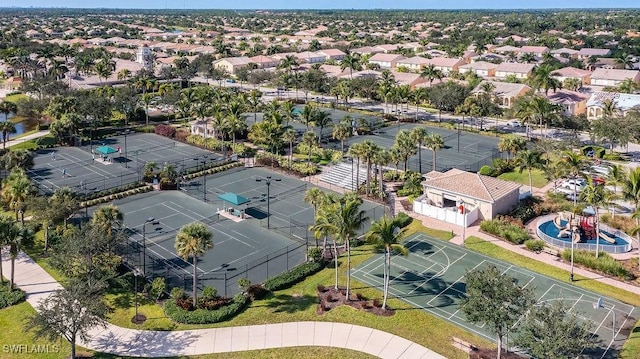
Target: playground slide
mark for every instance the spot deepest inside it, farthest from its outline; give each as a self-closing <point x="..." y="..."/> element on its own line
<point x="557" y="222"/>
<point x="576" y="237"/>
<point x="564" y="233"/>
<point x="607" y="238"/>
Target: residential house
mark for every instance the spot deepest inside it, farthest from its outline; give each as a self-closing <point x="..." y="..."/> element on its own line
<point x="536" y="50"/>
<point x="572" y="73"/>
<point x="564" y="53"/>
<point x="505" y="92"/>
<point x="612" y="77"/>
<point x="573" y="103"/>
<point x="480" y="68"/>
<point x="388" y="48"/>
<point x="461" y="197"/>
<point x="415" y="63"/>
<point x="310" y="57"/>
<point x="13" y="83"/>
<point x="386" y="61"/>
<point x="520" y="71"/>
<point x="408" y="78"/>
<point x="264" y="62"/>
<point x="586" y="53"/>
<point x="623" y="102"/>
<point x="445" y="64"/>
<point x="366" y="50"/>
<point x="334" y="54"/>
<point x="232" y="64"/>
<point x="506" y="49"/>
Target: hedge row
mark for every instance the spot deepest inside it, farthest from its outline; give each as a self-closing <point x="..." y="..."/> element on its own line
<point x="9" y="298"/>
<point x="117" y="195"/>
<point x="506" y="230"/>
<point x="604" y="263"/>
<point x="204" y="316"/>
<point x="213" y="170"/>
<point x="292" y="276"/>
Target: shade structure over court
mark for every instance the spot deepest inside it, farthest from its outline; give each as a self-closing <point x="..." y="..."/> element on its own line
<point x="233" y="198"/>
<point x="105" y="150"/>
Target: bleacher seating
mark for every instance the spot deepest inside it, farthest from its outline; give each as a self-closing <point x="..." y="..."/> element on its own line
<point x="340" y="175"/>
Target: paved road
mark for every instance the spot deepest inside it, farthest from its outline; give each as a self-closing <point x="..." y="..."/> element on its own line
<point x="38" y="284"/>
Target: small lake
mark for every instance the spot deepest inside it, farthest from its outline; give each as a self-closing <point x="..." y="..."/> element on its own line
<point x="22" y="126"/>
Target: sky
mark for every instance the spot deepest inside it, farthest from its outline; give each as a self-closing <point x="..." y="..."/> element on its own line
<point x="323" y="4"/>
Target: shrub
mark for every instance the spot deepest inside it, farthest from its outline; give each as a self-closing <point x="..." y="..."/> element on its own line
<point x="244" y="284"/>
<point x="176" y="293"/>
<point x="315" y="254"/>
<point x="166" y="131"/>
<point x="506" y="228"/>
<point x="204" y="316"/>
<point x="501" y="166"/>
<point x="534" y="245"/>
<point x="10" y="297"/>
<point x="392" y="176"/>
<point x="486" y="170"/>
<point x="618" y="222"/>
<point x="157" y="288"/>
<point x="209" y="292"/>
<point x="292" y="276"/>
<point x="612" y="157"/>
<point x="604" y="263"/>
<point x="528" y="209"/>
<point x="256" y="292"/>
<point x="404" y="219"/>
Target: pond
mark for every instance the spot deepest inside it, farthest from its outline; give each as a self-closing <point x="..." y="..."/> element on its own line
<point x="22" y="126"/>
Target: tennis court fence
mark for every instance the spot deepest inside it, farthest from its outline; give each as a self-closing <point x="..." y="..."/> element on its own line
<point x="178" y="273"/>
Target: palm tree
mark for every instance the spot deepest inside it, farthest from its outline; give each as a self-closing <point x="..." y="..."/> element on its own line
<point x="387" y="233"/>
<point x="349" y="219"/>
<point x="542" y="79"/>
<point x="314" y="197"/>
<point x="511" y="144"/>
<point x="597" y="196"/>
<point x="307" y="115"/>
<point x="351" y="62"/>
<point x="18" y="236"/>
<point x="324" y="227"/>
<point x="431" y="73"/>
<point x="369" y="149"/>
<point x="146" y="100"/>
<point x="635" y="231"/>
<point x="405" y="145"/>
<point x="418" y="136"/>
<point x="419" y="96"/>
<point x="434" y="142"/>
<point x="342" y="131"/>
<point x="17" y="189"/>
<point x="67" y="201"/>
<point x="106" y="218"/>
<point x="528" y="160"/>
<point x="356" y="151"/>
<point x="322" y="119"/>
<point x="290" y="137"/>
<point x="310" y="139"/>
<point x="124" y="74"/>
<point x="572" y="83"/>
<point x="194" y="240"/>
<point x="6" y="128"/>
<point x="6" y="224"/>
<point x="289" y="111"/>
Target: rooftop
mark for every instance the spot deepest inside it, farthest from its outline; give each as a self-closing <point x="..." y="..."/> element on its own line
<point x="473" y="185"/>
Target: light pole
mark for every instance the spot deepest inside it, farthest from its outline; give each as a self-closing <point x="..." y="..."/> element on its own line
<point x="137" y="318"/>
<point x="597" y="305"/>
<point x="126" y="159"/>
<point x="144" y="244"/>
<point x="268" y="180"/>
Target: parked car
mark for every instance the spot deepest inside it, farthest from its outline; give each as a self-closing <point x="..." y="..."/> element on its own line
<point x="514" y="123"/>
<point x="576" y="185"/>
<point x="599" y="181"/>
<point x="601" y="169"/>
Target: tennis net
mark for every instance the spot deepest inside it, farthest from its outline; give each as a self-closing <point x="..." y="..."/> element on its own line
<point x="290" y="192"/>
<point x="152" y="148"/>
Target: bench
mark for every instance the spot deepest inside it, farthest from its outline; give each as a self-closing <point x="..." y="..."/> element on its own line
<point x="463" y="345"/>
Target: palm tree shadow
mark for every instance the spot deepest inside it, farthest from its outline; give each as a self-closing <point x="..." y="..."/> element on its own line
<point x="283" y="303"/>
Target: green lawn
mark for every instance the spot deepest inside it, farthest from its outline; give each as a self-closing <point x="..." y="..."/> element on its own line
<point x="15" y="98"/>
<point x="32" y="144"/>
<point x="537" y="177"/>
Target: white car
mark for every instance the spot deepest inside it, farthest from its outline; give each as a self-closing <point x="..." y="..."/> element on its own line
<point x="514" y="123"/>
<point x="601" y="169"/>
<point x="576" y="185"/>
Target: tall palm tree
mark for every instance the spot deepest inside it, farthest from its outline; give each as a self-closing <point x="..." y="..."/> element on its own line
<point x="597" y="196"/>
<point x="6" y="128"/>
<point x="322" y="119"/>
<point x="352" y="62"/>
<point x="511" y="144"/>
<point x="418" y="136"/>
<point x="67" y="201"/>
<point x="342" y="131"/>
<point x="542" y="79"/>
<point x="17" y="189"/>
<point x="349" y="220"/>
<point x="324" y="227"/>
<point x="528" y="160"/>
<point x="635" y="231"/>
<point x="194" y="240"/>
<point x="310" y="139"/>
<point x="307" y="115"/>
<point x="6" y="224"/>
<point x="106" y="218"/>
<point x="18" y="237"/>
<point x="314" y="197"/>
<point x="430" y="73"/>
<point x="124" y="74"/>
<point x="387" y="233"/>
<point x="356" y="152"/>
<point x="435" y="143"/>
<point x="369" y="150"/>
<point x="405" y="146"/>
<point x="290" y="137"/>
<point x="289" y="111"/>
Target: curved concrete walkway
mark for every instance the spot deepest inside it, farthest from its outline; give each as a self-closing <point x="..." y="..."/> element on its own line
<point x="38" y="284"/>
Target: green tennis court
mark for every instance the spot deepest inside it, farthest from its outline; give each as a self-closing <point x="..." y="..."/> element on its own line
<point x="432" y="278"/>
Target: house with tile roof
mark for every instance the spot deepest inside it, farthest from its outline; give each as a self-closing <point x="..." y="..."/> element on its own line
<point x="536" y="50"/>
<point x="573" y="103"/>
<point x="232" y="64"/>
<point x="521" y="71"/>
<point x="586" y="53"/>
<point x="564" y="52"/>
<point x="335" y="54"/>
<point x="572" y="73"/>
<point x="623" y="102"/>
<point x="613" y="77"/>
<point x="480" y="68"/>
<point x="445" y="64"/>
<point x="415" y="63"/>
<point x="386" y="61"/>
<point x="483" y="197"/>
<point x="505" y="92"/>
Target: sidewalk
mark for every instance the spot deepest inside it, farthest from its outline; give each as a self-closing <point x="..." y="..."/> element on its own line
<point x="38" y="284"/>
<point x="27" y="138"/>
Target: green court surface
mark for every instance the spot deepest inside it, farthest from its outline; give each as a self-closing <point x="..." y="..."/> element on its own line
<point x="431" y="278"/>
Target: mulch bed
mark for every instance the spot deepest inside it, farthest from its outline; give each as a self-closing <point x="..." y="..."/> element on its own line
<point x="332" y="298"/>
<point x="492" y="353"/>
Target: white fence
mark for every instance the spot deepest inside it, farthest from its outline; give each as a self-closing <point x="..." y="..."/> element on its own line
<point x="449" y="215"/>
<point x="609" y="248"/>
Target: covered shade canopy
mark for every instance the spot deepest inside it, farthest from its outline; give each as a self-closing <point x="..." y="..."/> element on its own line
<point x="233" y="198"/>
<point x="105" y="150"/>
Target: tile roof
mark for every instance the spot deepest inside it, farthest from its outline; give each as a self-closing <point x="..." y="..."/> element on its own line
<point x="571" y="72"/>
<point x="479" y="65"/>
<point x="566" y="97"/>
<point x="613" y="74"/>
<point x="515" y="67"/>
<point x="386" y="57"/>
<point x="473" y="185"/>
<point x="504" y="89"/>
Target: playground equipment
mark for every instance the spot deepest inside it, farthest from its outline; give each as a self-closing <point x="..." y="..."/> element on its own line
<point x="584" y="226"/>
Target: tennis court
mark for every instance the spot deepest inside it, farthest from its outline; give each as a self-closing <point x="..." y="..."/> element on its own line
<point x="463" y="150"/>
<point x="241" y="249"/>
<point x="289" y="214"/>
<point x="86" y="172"/>
<point x="431" y="278"/>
